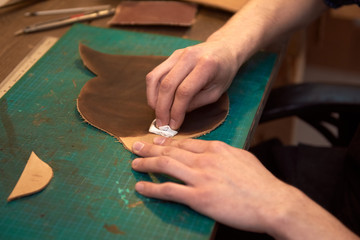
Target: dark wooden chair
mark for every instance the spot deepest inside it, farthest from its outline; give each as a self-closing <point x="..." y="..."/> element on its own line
<point x="320" y="105"/>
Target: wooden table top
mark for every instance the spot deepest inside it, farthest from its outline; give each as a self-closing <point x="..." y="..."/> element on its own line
<point x="15" y="48"/>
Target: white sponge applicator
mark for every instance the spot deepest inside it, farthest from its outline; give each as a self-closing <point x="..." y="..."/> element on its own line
<point x="165" y="131"/>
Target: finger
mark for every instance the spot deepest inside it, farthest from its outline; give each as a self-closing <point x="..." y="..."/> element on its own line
<point x="164" y="165"/>
<point x="152" y="88"/>
<point x="201" y="75"/>
<point x="167" y="191"/>
<point x="190" y="145"/>
<point x="154" y="78"/>
<point x="205" y="97"/>
<point x="160" y="140"/>
<point x="167" y="89"/>
<point x="150" y="150"/>
<point x="168" y="63"/>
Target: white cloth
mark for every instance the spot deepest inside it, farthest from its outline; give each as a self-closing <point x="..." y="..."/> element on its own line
<point x="165" y="131"/>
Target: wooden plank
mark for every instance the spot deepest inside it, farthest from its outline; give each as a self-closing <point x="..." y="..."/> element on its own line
<point x="228" y="5"/>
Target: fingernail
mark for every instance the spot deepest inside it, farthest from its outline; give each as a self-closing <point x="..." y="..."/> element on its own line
<point x="135" y="162"/>
<point x="158" y="123"/>
<point x="172" y="124"/>
<point x="139" y="187"/>
<point x="159" y="140"/>
<point x="138" y="146"/>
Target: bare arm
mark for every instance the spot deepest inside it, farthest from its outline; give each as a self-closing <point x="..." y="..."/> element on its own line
<point x="231" y="186"/>
<point x="198" y="75"/>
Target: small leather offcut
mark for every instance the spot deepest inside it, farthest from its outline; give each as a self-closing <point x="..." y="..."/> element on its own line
<point x="34" y="178"/>
<point x="115" y="100"/>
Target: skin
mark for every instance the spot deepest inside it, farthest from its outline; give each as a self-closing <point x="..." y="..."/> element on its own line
<point x="198" y="75"/>
<point x="231" y="186"/>
<point x="228" y="184"/>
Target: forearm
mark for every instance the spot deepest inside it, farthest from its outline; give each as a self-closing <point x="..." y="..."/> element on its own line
<point x="198" y="75"/>
<point x="301" y="218"/>
<point x="260" y="22"/>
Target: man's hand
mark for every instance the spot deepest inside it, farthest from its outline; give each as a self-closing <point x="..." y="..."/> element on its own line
<point x="231" y="186"/>
<point x="190" y="78"/>
<point x="228" y="184"/>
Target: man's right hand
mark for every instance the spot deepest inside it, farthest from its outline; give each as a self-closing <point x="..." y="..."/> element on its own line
<point x="190" y="78"/>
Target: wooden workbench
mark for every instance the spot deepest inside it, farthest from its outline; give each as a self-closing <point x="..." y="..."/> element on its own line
<point x="87" y="182"/>
<point x="14" y="48"/>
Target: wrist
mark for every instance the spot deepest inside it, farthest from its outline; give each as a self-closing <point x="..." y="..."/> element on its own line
<point x="243" y="34"/>
<point x="296" y="216"/>
<point x="287" y="209"/>
<point x="239" y="48"/>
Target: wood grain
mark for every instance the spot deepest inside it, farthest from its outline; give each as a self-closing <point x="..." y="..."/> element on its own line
<point x="14" y="48"/>
<point x="228" y="5"/>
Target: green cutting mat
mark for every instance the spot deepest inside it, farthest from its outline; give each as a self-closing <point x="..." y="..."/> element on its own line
<point x="92" y="193"/>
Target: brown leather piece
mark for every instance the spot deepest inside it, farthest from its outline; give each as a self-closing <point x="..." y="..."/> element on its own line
<point x="154" y="13"/>
<point x="115" y="100"/>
